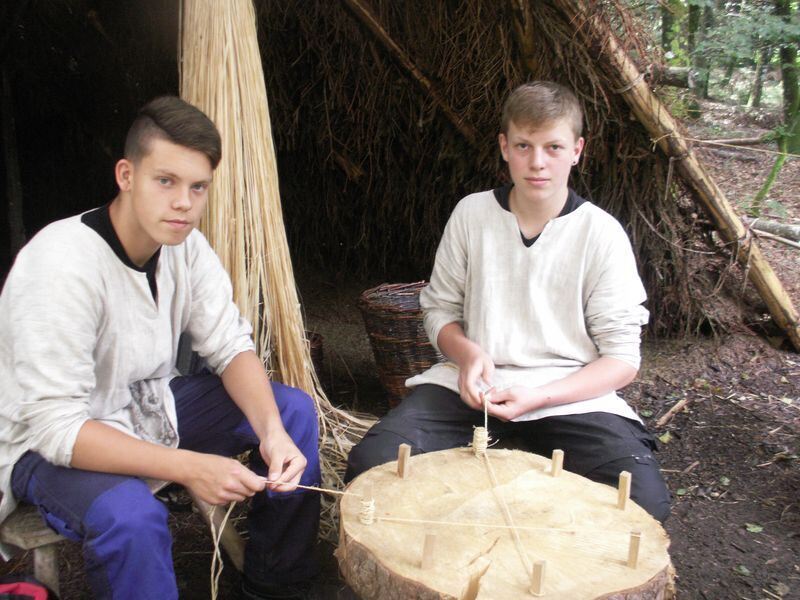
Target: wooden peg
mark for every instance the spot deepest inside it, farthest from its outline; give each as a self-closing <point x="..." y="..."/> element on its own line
<point x="633" y="549"/>
<point x="624" y="490"/>
<point x="403" y="464"/>
<point x="366" y="514"/>
<point x="537" y="580"/>
<point x="428" y="550"/>
<point x="557" y="463"/>
<point x="474" y="586"/>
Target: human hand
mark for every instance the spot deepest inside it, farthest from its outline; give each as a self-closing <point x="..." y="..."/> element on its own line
<point x="475" y="367"/>
<point x="510" y="403"/>
<point x="286" y="463"/>
<point x="219" y="480"/>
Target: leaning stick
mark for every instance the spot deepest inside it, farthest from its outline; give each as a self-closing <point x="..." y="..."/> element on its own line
<point x="665" y="131"/>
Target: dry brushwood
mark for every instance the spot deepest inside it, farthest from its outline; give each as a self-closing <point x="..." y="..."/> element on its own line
<point x="221" y="73"/>
<point x="374" y="161"/>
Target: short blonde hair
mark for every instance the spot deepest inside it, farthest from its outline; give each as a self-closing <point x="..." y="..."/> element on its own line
<point x="538" y="103"/>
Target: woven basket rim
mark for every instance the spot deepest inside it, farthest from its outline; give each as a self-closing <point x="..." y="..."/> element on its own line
<point x="386" y="295"/>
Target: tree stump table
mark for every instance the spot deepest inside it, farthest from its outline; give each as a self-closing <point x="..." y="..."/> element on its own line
<point x="496" y="525"/>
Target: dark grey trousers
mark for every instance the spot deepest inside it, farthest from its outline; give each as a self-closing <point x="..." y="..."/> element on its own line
<point x="596" y="445"/>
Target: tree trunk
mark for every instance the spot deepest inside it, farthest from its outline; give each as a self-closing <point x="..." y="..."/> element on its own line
<point x="730" y="64"/>
<point x="789" y="141"/>
<point x="16" y="224"/>
<point x="465" y="512"/>
<point x="701" y="64"/>
<point x="762" y="60"/>
<point x="729" y="67"/>
<point x="667" y="24"/>
<point x="789" y="77"/>
<point x="664" y="130"/>
<point x="693" y="27"/>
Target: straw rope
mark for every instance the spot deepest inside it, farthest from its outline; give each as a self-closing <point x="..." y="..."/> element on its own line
<point x="216" y="557"/>
<point x="221" y="73"/>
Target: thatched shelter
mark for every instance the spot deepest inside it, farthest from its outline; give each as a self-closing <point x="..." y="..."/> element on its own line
<point x="384" y="114"/>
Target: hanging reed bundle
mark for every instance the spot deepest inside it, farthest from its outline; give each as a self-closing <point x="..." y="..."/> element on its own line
<point x="221" y="73"/>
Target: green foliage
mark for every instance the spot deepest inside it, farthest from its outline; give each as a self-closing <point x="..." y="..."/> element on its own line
<point x="740" y="36"/>
<point x="681" y="103"/>
<point x="730" y="40"/>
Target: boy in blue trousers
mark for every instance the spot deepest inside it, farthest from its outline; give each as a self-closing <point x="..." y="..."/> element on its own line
<point x="535" y="297"/>
<point x="92" y="406"/>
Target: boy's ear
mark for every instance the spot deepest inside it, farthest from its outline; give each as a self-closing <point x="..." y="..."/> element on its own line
<point x="123" y="172"/>
<point x="503" y="141"/>
<point x="579" y="148"/>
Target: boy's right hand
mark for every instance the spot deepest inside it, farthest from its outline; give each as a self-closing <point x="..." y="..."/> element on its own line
<point x="219" y="480"/>
<point x="476" y="365"/>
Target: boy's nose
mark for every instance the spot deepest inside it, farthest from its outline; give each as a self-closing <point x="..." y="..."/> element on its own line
<point x="182" y="201"/>
<point x="537" y="159"/>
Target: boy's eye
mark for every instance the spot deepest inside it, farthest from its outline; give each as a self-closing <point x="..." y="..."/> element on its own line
<point x="200" y="187"/>
<point x="164" y="180"/>
<point x="555" y="147"/>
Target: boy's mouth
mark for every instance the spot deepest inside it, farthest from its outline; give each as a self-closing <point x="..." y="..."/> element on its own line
<point x="178" y="223"/>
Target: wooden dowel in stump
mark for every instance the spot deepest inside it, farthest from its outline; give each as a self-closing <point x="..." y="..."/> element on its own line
<point x="557" y="463"/>
<point x="474" y="586"/>
<point x="633" y="549"/>
<point x="624" y="490"/>
<point x="537" y="580"/>
<point x="403" y="456"/>
<point x="428" y="550"/>
<point x="367" y="513"/>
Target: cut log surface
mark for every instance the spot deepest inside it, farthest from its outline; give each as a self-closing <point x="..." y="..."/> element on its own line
<point x="568" y="521"/>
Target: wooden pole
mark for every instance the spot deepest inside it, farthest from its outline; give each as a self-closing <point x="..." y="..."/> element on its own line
<point x="537" y="588"/>
<point x="633" y="549"/>
<point x="403" y="460"/>
<point x="557" y="463"/>
<point x="665" y="131"/>
<point x="624" y="490"/>
<point x="363" y="13"/>
<point x="428" y="551"/>
<point x="784" y="230"/>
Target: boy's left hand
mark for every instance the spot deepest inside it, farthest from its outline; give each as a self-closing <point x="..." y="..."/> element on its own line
<point x="286" y="463"/>
<point x="511" y="402"/>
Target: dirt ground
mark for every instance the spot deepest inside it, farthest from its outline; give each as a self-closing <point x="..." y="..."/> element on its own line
<point x="729" y="455"/>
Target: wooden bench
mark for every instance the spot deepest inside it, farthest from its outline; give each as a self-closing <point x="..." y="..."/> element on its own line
<point x="26" y="530"/>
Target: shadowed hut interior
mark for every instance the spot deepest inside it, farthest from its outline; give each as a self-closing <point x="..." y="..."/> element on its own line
<point x="383" y="115"/>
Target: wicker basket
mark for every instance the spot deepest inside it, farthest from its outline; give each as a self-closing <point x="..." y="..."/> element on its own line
<point x="393" y="320"/>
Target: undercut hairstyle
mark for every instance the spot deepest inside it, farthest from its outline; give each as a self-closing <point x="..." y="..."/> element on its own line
<point x="540" y="103"/>
<point x="175" y="120"/>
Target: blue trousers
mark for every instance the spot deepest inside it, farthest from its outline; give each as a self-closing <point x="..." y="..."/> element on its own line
<point x="126" y="541"/>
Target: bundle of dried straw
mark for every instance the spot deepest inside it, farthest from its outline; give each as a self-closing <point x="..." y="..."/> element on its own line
<point x="221" y="73"/>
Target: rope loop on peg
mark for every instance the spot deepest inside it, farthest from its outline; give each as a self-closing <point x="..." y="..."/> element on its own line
<point x="480" y="440"/>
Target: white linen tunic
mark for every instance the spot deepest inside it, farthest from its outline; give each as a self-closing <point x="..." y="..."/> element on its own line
<point x="81" y="337"/>
<point x="540" y="312"/>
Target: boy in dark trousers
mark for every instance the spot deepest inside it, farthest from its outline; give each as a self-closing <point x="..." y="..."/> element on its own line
<point x="92" y="406"/>
<point x="536" y="301"/>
